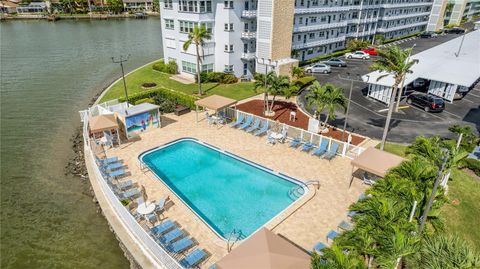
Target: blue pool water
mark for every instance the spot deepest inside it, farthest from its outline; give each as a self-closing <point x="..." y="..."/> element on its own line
<point x="226" y="192"/>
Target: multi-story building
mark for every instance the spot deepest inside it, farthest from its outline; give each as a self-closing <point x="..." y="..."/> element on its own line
<point x="453" y="12"/>
<point x="248" y="32"/>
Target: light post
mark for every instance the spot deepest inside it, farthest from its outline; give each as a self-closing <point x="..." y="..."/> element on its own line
<point x="265" y="99"/>
<point x="121" y="60"/>
<point x="349" y="100"/>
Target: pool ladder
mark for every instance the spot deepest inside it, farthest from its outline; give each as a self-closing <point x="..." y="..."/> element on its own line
<point x="233" y="237"/>
<point x="298" y="191"/>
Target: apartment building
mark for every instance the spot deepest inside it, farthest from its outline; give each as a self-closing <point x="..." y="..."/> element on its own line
<point x="248" y="33"/>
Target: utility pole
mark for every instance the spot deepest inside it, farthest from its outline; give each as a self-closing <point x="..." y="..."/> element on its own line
<point x="349" y="100"/>
<point x="121" y="60"/>
<point x="434" y="192"/>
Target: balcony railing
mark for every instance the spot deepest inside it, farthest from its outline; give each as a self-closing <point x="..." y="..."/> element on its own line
<point x="321" y="9"/>
<point x="248" y="56"/>
<point x="359" y="21"/>
<point x="361" y="33"/>
<point x="406" y="4"/>
<point x="299" y="29"/>
<point x="249" y="14"/>
<point x="399" y="27"/>
<point x="249" y="35"/>
<point x="317" y="43"/>
<point x="403" y="16"/>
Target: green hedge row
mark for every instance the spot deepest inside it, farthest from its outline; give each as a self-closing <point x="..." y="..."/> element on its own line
<point x="400" y="38"/>
<point x="169" y="68"/>
<point x="218" y="77"/>
<point x="163" y="94"/>
<point x="304" y="82"/>
<point x="324" y="57"/>
<point x="473" y="165"/>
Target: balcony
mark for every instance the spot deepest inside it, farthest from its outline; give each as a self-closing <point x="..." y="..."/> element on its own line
<point x="359" y="21"/>
<point x="318" y="43"/>
<point x="249" y="35"/>
<point x="407" y="4"/>
<point x="248" y="56"/>
<point x="299" y="29"/>
<point x="361" y="33"/>
<point x="400" y="27"/>
<point x="249" y="14"/>
<point x="403" y="16"/>
<point x="321" y="9"/>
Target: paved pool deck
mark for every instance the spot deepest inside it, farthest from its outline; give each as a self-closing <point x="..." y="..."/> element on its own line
<point x="305" y="224"/>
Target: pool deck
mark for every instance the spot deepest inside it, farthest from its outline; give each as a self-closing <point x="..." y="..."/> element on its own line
<point x="305" y="223"/>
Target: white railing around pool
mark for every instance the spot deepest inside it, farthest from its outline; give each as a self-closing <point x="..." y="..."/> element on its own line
<point x="344" y="149"/>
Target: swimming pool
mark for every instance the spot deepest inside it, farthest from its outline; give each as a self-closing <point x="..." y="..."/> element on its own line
<point x="227" y="192"/>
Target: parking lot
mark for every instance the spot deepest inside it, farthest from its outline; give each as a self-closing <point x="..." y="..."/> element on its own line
<point x="367" y="116"/>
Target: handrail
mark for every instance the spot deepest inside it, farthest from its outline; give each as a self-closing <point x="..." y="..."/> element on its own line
<point x="313" y="182"/>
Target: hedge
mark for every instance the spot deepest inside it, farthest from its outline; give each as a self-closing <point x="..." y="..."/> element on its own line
<point x="169" y="68"/>
<point x="218" y="77"/>
<point x="399" y="38"/>
<point x="473" y="165"/>
<point x="144" y="100"/>
<point x="165" y="94"/>
<point x="304" y="82"/>
<point x="324" y="57"/>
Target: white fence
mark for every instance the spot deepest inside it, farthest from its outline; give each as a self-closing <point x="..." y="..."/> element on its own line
<point x="151" y="249"/>
<point x="344" y="149"/>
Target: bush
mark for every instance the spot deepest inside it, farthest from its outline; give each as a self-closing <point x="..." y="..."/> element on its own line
<point x="144" y="100"/>
<point x="228" y="79"/>
<point x="473" y="165"/>
<point x="166" y="106"/>
<point x="357" y="44"/>
<point x="170" y="68"/>
<point x="163" y="94"/>
<point x="303" y="82"/>
<point x="215" y="76"/>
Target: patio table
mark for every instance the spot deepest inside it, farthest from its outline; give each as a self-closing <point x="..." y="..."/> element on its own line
<point x="145" y="208"/>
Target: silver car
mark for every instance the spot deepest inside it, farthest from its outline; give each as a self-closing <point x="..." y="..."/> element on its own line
<point x="318" y="68"/>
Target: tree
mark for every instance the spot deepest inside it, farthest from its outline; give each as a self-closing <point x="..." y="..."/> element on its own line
<point x="394" y="62"/>
<point x="445" y="252"/>
<point x="156" y="6"/>
<point x="198" y="37"/>
<point x="278" y="86"/>
<point x="297" y="72"/>
<point x="326" y="97"/>
<point x="262" y="82"/>
<point x="115" y="6"/>
<point x="356" y="44"/>
<point x="469" y="139"/>
<point x="336" y="258"/>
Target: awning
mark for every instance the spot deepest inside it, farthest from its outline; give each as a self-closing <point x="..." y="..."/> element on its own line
<point x="376" y="161"/>
<point x="103" y="123"/>
<point x="215" y="102"/>
<point x="265" y="250"/>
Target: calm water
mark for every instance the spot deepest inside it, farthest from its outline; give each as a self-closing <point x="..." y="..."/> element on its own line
<point x="208" y="179"/>
<point x="49" y="71"/>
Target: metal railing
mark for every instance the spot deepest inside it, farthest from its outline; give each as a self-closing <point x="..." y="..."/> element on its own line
<point x="318" y="42"/>
<point x="344" y="149"/>
<point x="249" y="35"/>
<point x="146" y="243"/>
<point x="314" y="27"/>
<point x="249" y="14"/>
<point x="399" y="27"/>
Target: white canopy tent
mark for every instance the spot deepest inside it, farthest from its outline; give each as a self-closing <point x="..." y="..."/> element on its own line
<point x="450" y="66"/>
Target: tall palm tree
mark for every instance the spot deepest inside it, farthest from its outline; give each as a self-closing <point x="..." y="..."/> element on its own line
<point x="395" y="246"/>
<point x="262" y="83"/>
<point x="278" y="86"/>
<point x="336" y="258"/>
<point x="298" y="72"/>
<point x="395" y="61"/>
<point x="198" y="37"/>
<point x="326" y="97"/>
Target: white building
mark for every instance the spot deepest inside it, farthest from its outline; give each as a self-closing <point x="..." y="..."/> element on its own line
<point x="281" y="30"/>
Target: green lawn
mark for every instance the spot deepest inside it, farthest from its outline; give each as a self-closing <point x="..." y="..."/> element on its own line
<point x="135" y="80"/>
<point x="462" y="213"/>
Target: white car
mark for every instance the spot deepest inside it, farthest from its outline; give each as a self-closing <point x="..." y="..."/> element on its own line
<point x="357" y="55"/>
<point x="318" y="68"/>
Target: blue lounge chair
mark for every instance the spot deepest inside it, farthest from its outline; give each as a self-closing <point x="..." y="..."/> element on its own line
<point x="112" y="166"/>
<point x="160" y="205"/>
<point x="129" y="194"/>
<point x="193" y="258"/>
<point x="180" y="245"/>
<point x="171" y="236"/>
<point x="331" y="235"/>
<point x="107" y="161"/>
<point x="345" y="226"/>
<point x="351" y="214"/>
<point x="163" y="227"/>
<point x="254" y="127"/>
<point x="238" y="121"/>
<point x="307" y="146"/>
<point x="295" y="142"/>
<point x="322" y="149"/>
<point x="332" y="152"/>
<point x="271" y="140"/>
<point x="263" y="130"/>
<point x="247" y="123"/>
<point x="124" y="184"/>
<point x="319" y="246"/>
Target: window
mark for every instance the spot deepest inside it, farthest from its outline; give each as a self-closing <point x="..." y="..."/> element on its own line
<point x="310" y="51"/>
<point x="207" y="25"/>
<point x="313" y="19"/>
<point x="228" y="69"/>
<point x="195" y="6"/>
<point x="187" y="26"/>
<point x="321" y="34"/>
<point x="207" y="67"/>
<point x="311" y="35"/>
<point x="168" y="4"/>
<point x="228" y="48"/>
<point x="300" y="20"/>
<point x="228" y="4"/>
<point x="245" y="69"/>
<point x="169" y="24"/>
<point x="229" y="27"/>
<point x="323" y="18"/>
<point x="205" y="6"/>
<point x="189" y="67"/>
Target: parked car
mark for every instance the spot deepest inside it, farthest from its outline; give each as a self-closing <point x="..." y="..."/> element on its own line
<point x="428" y="102"/>
<point x="357" y="55"/>
<point x="455" y="30"/>
<point x="428" y="35"/>
<point x="336" y="62"/>
<point x="370" y="51"/>
<point x="318" y="68"/>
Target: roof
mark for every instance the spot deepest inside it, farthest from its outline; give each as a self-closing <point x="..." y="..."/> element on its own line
<point x="215" y="102"/>
<point x="441" y="64"/>
<point x="376" y="161"/>
<point x="131" y="110"/>
<point x="265" y="250"/>
<point x="8" y="4"/>
<point x="103" y="123"/>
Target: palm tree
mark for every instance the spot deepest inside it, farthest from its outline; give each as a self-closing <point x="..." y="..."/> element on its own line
<point x="198" y="37"/>
<point x="262" y="82"/>
<point x="297" y="72"/>
<point x="395" y="246"/>
<point x="278" y="86"/>
<point x="394" y="61"/>
<point x="326" y="97"/>
<point x="336" y="258"/>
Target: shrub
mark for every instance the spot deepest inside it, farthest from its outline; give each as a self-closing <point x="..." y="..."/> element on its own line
<point x="163" y="94"/>
<point x="303" y="82"/>
<point x="215" y="76"/>
<point x="473" y="165"/>
<point x="167" y="106"/>
<point x="228" y="79"/>
<point x="145" y="100"/>
<point x="357" y="44"/>
<point x="170" y="68"/>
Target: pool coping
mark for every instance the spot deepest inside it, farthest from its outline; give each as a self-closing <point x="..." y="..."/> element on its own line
<point x="284" y="176"/>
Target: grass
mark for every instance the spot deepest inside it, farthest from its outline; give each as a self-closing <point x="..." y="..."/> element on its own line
<point x="145" y="74"/>
<point x="462" y="213"/>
